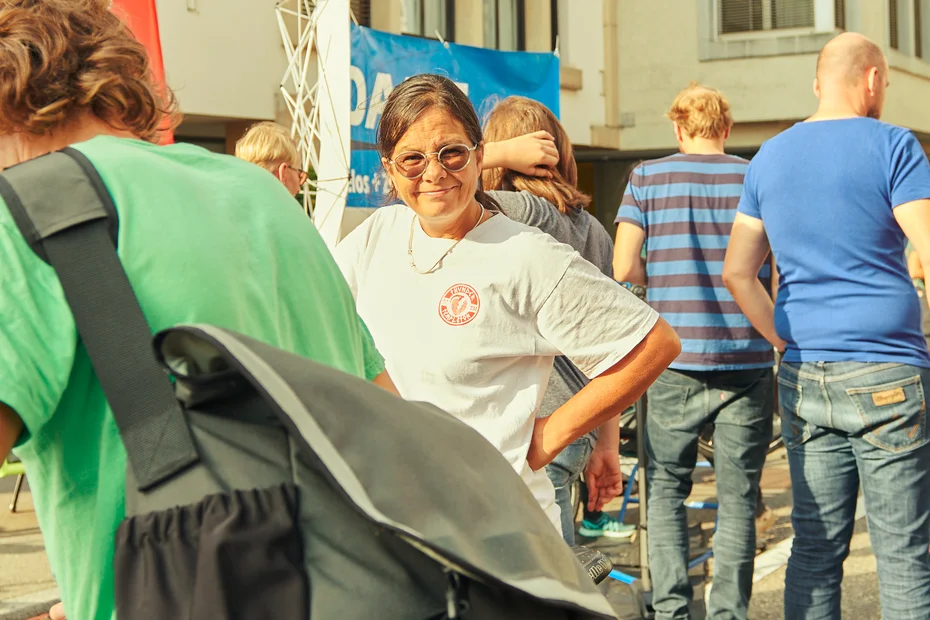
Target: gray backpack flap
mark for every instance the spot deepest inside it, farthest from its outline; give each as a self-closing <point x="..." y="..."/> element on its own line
<point x="263" y="485"/>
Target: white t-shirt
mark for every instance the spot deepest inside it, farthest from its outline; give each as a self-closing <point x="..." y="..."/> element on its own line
<point x="477" y="337"/>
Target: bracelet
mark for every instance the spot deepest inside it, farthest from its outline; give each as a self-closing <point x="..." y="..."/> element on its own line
<point x="637" y="289"/>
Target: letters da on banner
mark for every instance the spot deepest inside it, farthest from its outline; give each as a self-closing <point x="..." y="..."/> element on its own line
<point x="371" y="103"/>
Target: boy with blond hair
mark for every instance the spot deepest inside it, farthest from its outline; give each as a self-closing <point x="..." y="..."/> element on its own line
<point x="270" y="146"/>
<point x="681" y="208"/>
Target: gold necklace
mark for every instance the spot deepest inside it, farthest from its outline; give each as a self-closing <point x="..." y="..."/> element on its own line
<point x="413" y="264"/>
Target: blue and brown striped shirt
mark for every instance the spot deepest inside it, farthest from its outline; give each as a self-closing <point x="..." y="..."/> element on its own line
<point x="686" y="205"/>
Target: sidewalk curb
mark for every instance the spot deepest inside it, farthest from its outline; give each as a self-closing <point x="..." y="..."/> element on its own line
<point x="28" y="605"/>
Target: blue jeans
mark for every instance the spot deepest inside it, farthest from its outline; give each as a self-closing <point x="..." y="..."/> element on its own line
<point x="848" y="424"/>
<point x="564" y="470"/>
<point x="740" y="405"/>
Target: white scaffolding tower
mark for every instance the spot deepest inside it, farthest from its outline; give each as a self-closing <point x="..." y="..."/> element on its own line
<point x="316" y="91"/>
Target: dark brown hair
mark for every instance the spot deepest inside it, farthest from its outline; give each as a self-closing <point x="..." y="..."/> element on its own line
<point x="516" y="116"/>
<point x="411" y="99"/>
<point x="60" y="59"/>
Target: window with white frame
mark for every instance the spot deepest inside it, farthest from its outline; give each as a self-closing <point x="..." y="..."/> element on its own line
<point x="800" y="26"/>
<point x="503" y="24"/>
<point x="427" y="18"/>
<point x="909" y="27"/>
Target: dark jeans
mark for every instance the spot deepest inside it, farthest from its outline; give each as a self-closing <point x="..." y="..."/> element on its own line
<point x="681" y="403"/>
<point x="848" y="424"/>
<point x="563" y="471"/>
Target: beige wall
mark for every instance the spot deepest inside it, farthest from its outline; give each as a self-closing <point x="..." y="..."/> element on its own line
<point x="652" y="71"/>
<point x="581" y="47"/>
<point x="224" y="59"/>
<point x="659" y="43"/>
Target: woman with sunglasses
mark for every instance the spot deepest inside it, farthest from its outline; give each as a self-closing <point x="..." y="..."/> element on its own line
<point x="470" y="308"/>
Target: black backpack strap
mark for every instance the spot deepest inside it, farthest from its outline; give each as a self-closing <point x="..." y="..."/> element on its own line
<point x="67" y="216"/>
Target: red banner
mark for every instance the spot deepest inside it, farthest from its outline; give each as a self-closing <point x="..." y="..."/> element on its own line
<point x="142" y="19"/>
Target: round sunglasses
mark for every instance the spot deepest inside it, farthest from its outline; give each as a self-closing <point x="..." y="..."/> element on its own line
<point x="452" y="157"/>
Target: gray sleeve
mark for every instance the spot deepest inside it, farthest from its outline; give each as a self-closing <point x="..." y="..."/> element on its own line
<point x="526" y="208"/>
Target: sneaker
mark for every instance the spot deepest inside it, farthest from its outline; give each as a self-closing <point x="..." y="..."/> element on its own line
<point x="606" y="526"/>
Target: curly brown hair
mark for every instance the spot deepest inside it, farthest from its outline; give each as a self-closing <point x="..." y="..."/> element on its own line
<point x="60" y="59"/>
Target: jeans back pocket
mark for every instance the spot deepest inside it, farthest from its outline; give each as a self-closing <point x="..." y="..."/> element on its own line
<point x="794" y="429"/>
<point x="893" y="414"/>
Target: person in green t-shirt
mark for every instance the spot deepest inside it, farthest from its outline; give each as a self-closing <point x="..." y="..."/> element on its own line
<point x="204" y="238"/>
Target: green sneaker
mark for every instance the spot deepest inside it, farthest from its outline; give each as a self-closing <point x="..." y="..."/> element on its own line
<point x="606" y="526"/>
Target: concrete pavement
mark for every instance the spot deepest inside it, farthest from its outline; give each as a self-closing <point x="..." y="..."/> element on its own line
<point x="26" y="584"/>
<point x="860" y="585"/>
<point x="27" y="587"/>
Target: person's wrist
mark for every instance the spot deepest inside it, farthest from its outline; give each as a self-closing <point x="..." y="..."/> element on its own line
<point x="637" y="289"/>
<point x="605" y="444"/>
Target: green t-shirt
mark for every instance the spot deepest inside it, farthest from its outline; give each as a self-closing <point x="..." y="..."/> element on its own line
<point x="204" y="238"/>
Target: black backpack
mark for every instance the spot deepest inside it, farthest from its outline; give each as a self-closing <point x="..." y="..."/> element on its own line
<point x="260" y="484"/>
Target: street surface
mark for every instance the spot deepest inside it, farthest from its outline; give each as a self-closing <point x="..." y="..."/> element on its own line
<point x="27" y="587"/>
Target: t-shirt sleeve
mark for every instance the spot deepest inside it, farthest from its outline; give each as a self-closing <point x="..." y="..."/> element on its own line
<point x="565" y="319"/>
<point x="38" y="337"/>
<point x="631" y="206"/>
<point x="910" y="171"/>
<point x="749" y="200"/>
<point x="374" y="362"/>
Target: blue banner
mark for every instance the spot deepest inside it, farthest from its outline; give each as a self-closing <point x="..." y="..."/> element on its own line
<point x="381" y="60"/>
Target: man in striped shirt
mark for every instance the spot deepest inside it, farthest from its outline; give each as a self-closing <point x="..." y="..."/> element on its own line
<point x="682" y="208"/>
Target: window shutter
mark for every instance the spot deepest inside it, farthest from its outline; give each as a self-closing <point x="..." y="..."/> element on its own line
<point x="740" y="15"/>
<point x="839" y="7"/>
<point x="792" y="13"/>
<point x="361" y="9"/>
<point x="893" y="24"/>
<point x="754" y="15"/>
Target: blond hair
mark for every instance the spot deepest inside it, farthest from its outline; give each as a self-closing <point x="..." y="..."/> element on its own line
<point x="268" y="145"/>
<point x="701" y="112"/>
<point x="66" y="58"/>
<point x="516" y="116"/>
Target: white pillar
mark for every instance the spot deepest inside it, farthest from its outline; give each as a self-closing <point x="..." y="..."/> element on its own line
<point x="333" y="101"/>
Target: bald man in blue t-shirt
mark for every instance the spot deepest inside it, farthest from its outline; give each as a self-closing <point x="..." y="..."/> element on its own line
<point x="836" y="198"/>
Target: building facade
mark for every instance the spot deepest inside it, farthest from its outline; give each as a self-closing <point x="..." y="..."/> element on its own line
<point x="622" y="62"/>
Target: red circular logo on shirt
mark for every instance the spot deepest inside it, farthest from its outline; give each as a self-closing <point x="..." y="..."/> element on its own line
<point x="459" y="304"/>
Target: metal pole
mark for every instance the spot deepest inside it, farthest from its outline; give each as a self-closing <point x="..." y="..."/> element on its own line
<point x="16" y="490"/>
<point x="643" y="460"/>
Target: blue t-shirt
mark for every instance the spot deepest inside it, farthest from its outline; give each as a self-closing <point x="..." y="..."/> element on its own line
<point x="826" y="191"/>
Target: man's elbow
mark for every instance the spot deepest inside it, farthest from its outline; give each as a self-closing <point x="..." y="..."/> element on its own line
<point x="732" y="277"/>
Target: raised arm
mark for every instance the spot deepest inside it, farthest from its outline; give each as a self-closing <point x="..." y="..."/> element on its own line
<point x="533" y="154"/>
<point x="746" y="253"/>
